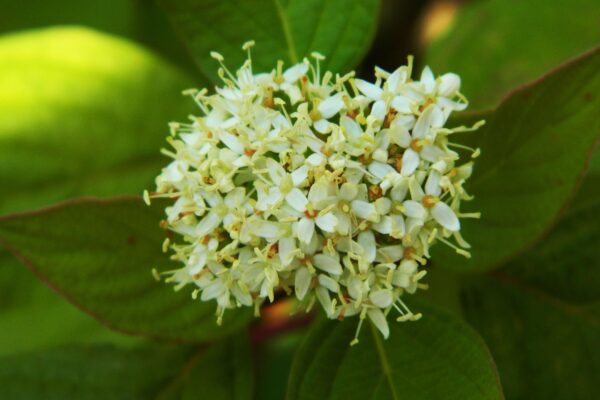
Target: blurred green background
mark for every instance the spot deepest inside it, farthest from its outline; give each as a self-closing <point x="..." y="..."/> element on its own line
<point x="83" y="112"/>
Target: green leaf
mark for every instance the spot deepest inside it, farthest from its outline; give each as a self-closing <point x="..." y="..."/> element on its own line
<point x="75" y="104"/>
<point x="496" y="45"/>
<point x="289" y="30"/>
<point x="141" y="21"/>
<point x="81" y="113"/>
<point x="273" y="364"/>
<point x="99" y="254"/>
<point x="535" y="149"/>
<point x="90" y="372"/>
<point x="224" y="372"/>
<point x="33" y="317"/>
<point x="540" y="315"/>
<point x="545" y="347"/>
<point x="437" y="357"/>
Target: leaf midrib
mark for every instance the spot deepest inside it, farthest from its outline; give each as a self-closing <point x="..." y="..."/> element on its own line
<point x="385" y="365"/>
<point x="289" y="40"/>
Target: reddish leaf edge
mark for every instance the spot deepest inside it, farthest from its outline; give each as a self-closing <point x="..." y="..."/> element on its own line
<point x="57" y="289"/>
<point x="578" y="181"/>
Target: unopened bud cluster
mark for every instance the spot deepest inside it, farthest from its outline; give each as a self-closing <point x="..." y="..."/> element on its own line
<point x="323" y="186"/>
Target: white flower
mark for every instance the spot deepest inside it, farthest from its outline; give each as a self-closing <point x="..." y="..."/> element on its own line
<point x="325" y="186"/>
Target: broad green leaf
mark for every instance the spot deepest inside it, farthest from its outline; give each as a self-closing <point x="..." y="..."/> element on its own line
<point x="90" y="372"/>
<point x="566" y="262"/>
<point x="496" y="45"/>
<point x="75" y="105"/>
<point x="32" y="316"/>
<point x="82" y="113"/>
<point x="438" y="357"/>
<point x="540" y="315"/>
<point x="223" y="372"/>
<point x="273" y="363"/>
<point x="545" y="347"/>
<point x="141" y="21"/>
<point x="534" y="150"/>
<point x="288" y="30"/>
<point x="99" y="254"/>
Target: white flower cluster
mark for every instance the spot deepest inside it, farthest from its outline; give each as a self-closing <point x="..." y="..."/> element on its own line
<point x="321" y="185"/>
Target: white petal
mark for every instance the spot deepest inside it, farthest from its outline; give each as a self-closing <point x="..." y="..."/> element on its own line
<point x="410" y="162"/>
<point x="370" y="90"/>
<point x="378" y="318"/>
<point x="232" y="142"/>
<point x="213" y="290"/>
<point x="295" y="72"/>
<point x="328" y="263"/>
<point x="302" y="282"/>
<point x="316" y="159"/>
<point x="276" y="171"/>
<point x="390" y="254"/>
<point x="331" y="106"/>
<point x="423" y="124"/>
<point x="299" y="175"/>
<point x="414" y="209"/>
<point x="431" y="153"/>
<point x="208" y="224"/>
<point x="343" y="224"/>
<point x="297" y="199"/>
<point x="329" y="283"/>
<point x="322" y="126"/>
<point x="286" y="246"/>
<point x="432" y="187"/>
<point x="355" y="287"/>
<point x="326" y="222"/>
<point x="445" y="216"/>
<point x="293" y="92"/>
<point x="401" y="104"/>
<point x="267" y="229"/>
<point x="364" y="210"/>
<point x="400" y="279"/>
<point x="318" y="192"/>
<point x="384" y="226"/>
<point x="366" y="240"/>
<point x="235" y="197"/>
<point x="399" y="190"/>
<point x="427" y="79"/>
<point x="348" y="191"/>
<point x="306" y="229"/>
<point x="351" y="127"/>
<point x="398" y="227"/>
<point x="383" y="205"/>
<point x="408" y="267"/>
<point x="379" y="110"/>
<point x="325" y="300"/>
<point x="400" y="135"/>
<point x="449" y="84"/>
<point x="380" y="170"/>
<point x="381" y="298"/>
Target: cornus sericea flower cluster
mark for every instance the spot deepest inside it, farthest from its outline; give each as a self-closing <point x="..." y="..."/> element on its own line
<point x="324" y="186"/>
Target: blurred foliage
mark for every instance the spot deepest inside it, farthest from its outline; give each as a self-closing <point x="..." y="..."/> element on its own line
<point x="436" y="357"/>
<point x="84" y="113"/>
<point x="99" y="255"/>
<point x="139" y="20"/>
<point x="496" y="45"/>
<point x="88" y="98"/>
<point x="535" y="150"/>
<point x="540" y="314"/>
<point x="283" y="29"/>
<point x="109" y="373"/>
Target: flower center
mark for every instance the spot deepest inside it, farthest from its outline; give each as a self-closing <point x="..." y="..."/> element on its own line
<point x="416" y="145"/>
<point x="429" y="201"/>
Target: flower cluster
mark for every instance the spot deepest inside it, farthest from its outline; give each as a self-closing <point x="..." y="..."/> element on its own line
<point x="325" y="186"/>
